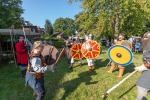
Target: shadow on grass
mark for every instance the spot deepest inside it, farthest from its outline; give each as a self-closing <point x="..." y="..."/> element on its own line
<point x="72" y="85"/>
<point x="127" y="91"/>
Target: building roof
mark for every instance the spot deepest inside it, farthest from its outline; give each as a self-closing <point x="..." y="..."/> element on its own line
<point x="57" y="33"/>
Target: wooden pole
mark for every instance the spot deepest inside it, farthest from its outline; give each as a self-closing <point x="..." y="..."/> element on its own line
<point x="1" y="48"/>
<point x="119" y="83"/>
<point x="7" y="44"/>
<point x="108" y="63"/>
<point x="11" y="50"/>
<point x="24" y="34"/>
<point x="13" y="45"/>
<point x="25" y="37"/>
<point x="60" y="55"/>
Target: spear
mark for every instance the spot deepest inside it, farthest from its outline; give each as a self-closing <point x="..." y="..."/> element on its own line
<point x="119" y="83"/>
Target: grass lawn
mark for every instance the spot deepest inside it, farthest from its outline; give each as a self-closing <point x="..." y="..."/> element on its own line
<point x="73" y="84"/>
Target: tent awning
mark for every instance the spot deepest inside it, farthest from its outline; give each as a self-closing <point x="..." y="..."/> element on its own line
<point x="17" y="32"/>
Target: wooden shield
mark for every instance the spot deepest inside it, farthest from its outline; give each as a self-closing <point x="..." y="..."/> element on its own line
<point x="120" y="55"/>
<point x="53" y="51"/>
<point x="76" y="51"/>
<point x="125" y="43"/>
<point x="130" y="46"/>
<point x="93" y="53"/>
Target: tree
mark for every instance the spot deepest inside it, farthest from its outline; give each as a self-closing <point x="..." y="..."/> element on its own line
<point x="10" y="13"/>
<point x="109" y="17"/>
<point x="64" y="25"/>
<point x="48" y="27"/>
<point x="77" y="23"/>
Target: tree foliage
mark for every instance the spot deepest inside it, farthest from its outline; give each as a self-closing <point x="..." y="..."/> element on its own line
<point x="10" y="12"/>
<point x="48" y="27"/>
<point x="110" y="17"/>
<point x="77" y="23"/>
<point x="64" y="25"/>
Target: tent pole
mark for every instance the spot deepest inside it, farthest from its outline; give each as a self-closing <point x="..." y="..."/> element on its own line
<point x="1" y="49"/>
<point x="13" y="45"/>
<point x="7" y="46"/>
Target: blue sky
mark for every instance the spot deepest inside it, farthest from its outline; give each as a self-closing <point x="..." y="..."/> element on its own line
<point x="37" y="11"/>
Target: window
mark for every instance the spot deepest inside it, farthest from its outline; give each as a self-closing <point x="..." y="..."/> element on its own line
<point x="33" y="30"/>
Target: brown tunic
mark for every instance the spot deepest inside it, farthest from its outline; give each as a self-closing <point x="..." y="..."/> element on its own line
<point x="68" y="48"/>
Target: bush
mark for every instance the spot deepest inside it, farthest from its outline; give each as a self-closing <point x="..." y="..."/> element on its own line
<point x="103" y="47"/>
<point x="58" y="44"/>
<point x="36" y="38"/>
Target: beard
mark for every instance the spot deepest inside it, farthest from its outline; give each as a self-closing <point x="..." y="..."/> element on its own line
<point x="145" y="44"/>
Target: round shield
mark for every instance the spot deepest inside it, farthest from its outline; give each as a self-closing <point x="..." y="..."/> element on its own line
<point x="130" y="46"/>
<point x="76" y="51"/>
<point x="120" y="55"/>
<point x="125" y="43"/>
<point x="50" y="50"/>
<point x="90" y="49"/>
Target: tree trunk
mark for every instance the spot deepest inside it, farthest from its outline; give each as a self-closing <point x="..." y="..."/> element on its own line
<point x="117" y="20"/>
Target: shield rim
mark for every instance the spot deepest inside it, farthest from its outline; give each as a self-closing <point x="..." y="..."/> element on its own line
<point x="51" y="46"/>
<point x="98" y="45"/>
<point x="81" y="51"/>
<point x="126" y="49"/>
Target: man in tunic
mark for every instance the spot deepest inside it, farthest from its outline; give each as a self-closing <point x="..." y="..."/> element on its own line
<point x="143" y="83"/>
<point x="72" y="59"/>
<point x="90" y="61"/>
<point x="113" y="65"/>
<point x="22" y="55"/>
<point x="68" y="47"/>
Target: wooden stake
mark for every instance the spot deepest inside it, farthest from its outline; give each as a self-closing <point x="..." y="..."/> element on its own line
<point x="13" y="45"/>
<point x="1" y="48"/>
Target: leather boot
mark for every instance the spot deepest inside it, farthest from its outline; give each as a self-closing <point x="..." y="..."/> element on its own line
<point x="111" y="69"/>
<point x="93" y="67"/>
<point x="121" y="70"/>
<point x="34" y="93"/>
<point x="80" y="65"/>
<point x="24" y="73"/>
<point x="90" y="69"/>
<point x="71" y="66"/>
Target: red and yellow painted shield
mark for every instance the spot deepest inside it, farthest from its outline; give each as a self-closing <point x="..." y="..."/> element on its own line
<point x="130" y="46"/>
<point x="90" y="49"/>
<point x="76" y="51"/>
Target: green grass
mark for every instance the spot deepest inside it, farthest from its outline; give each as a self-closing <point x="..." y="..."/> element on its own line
<point x="73" y="84"/>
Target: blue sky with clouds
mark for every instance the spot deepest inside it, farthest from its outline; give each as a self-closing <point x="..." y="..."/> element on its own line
<point x="37" y="11"/>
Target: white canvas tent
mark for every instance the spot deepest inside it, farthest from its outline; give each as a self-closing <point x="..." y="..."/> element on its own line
<point x="132" y="38"/>
<point x="136" y="38"/>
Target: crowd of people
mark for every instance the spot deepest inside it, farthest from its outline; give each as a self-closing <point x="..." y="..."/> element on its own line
<point x="33" y="66"/>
